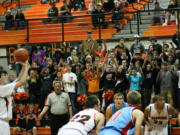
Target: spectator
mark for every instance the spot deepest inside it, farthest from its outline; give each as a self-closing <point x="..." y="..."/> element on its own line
<point x="77" y="4"/>
<point x="98" y="17"/>
<point x="176" y="41"/>
<point x="69" y="81"/>
<point x="171" y="14"/>
<point x="58" y="55"/>
<point x="70" y="58"/>
<point x="93" y="77"/>
<point x="156" y="47"/>
<point x="108" y="5"/>
<point x="46" y="85"/>
<point x="134" y="79"/>
<point x="122" y="52"/>
<point x="122" y="83"/>
<point x="124" y="3"/>
<point x="65" y="11"/>
<point x="136" y="45"/>
<point x="117" y="15"/>
<point x="19" y="20"/>
<point x="38" y="56"/>
<point x="131" y="1"/>
<point x="148" y="82"/>
<point x="60" y="108"/>
<point x="138" y="56"/>
<point x="164" y="79"/>
<point x="34" y="86"/>
<point x="158" y="15"/>
<point x="21" y="120"/>
<point x="52" y="13"/>
<point x="31" y="120"/>
<point x="91" y="6"/>
<point x="101" y="52"/>
<point x="82" y="84"/>
<point x="88" y="45"/>
<point x="9" y="21"/>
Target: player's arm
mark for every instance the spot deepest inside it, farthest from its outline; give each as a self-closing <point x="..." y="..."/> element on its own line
<point x="172" y="111"/>
<point x="138" y="117"/>
<point x="99" y="118"/>
<point x="146" y="114"/>
<point x="179" y="118"/>
<point x="108" y="113"/>
<point x="22" y="75"/>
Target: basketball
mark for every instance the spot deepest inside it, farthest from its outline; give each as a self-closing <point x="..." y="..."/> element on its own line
<point x="21" y="55"/>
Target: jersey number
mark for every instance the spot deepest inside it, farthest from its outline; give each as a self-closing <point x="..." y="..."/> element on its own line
<point x="81" y="118"/>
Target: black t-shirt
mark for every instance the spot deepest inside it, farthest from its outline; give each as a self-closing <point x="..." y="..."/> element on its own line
<point x="148" y="79"/>
<point x="141" y="60"/>
<point x="9" y="18"/>
<point x="171" y="7"/>
<point x="64" y="8"/>
<point x="20" y="17"/>
<point x="106" y="83"/>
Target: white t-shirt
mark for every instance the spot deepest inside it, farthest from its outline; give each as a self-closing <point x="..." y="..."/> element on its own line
<point x="6" y="91"/>
<point x="69" y="77"/>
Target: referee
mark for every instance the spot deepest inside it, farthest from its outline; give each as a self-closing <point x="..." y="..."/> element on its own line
<point x="60" y="108"/>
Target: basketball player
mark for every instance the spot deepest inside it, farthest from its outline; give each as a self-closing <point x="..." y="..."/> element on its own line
<point x="126" y="121"/>
<point x="118" y="104"/>
<point x="156" y="116"/>
<point x="6" y="90"/>
<point x="86" y="120"/>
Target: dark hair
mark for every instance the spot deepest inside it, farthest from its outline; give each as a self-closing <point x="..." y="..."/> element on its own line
<point x="134" y="68"/>
<point x="2" y="72"/>
<point x="156" y="97"/>
<point x="156" y="3"/>
<point x="91" y="101"/>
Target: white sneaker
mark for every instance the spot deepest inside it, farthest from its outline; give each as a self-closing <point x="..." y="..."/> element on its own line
<point x="164" y="24"/>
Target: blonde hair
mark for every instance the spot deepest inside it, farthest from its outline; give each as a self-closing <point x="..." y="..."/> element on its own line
<point x="133" y="98"/>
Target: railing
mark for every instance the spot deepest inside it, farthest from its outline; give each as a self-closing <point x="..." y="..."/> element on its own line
<point x="137" y="13"/>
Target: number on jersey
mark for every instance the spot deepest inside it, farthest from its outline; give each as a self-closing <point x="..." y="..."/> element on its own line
<point x="81" y="118"/>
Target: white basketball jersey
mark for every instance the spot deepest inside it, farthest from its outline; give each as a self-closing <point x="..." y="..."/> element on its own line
<point x="84" y="122"/>
<point x="158" y="120"/>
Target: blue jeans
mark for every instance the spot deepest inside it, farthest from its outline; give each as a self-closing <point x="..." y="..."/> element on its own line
<point x="8" y="25"/>
<point x="72" y="97"/>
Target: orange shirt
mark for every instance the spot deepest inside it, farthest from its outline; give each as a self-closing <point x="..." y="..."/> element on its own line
<point x="63" y="70"/>
<point x="100" y="53"/>
<point x="93" y="83"/>
<point x="143" y="55"/>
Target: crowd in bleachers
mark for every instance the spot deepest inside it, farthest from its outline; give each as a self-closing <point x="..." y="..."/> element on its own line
<point x="98" y="71"/>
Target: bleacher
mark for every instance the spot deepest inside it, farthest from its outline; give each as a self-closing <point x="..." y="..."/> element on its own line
<point x="161" y="31"/>
<point x="41" y="131"/>
<point x="74" y="31"/>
